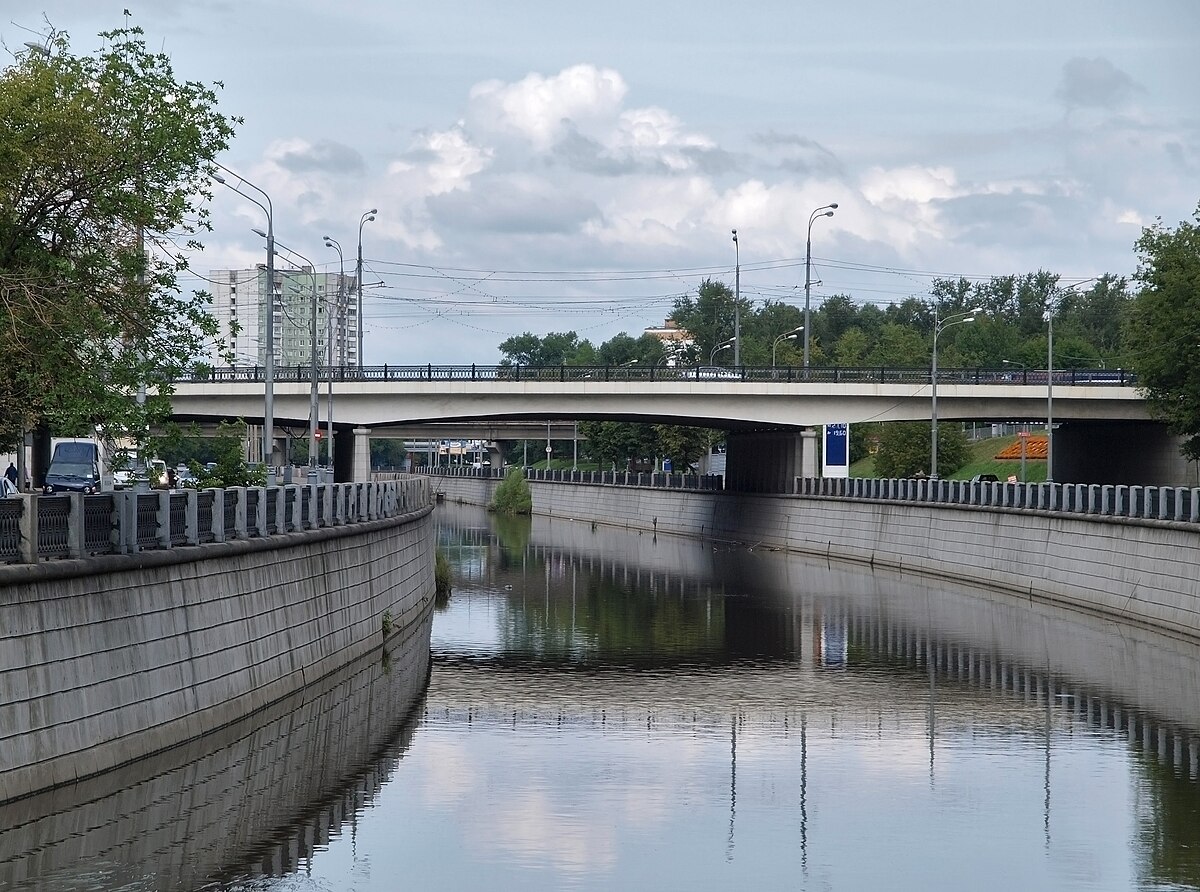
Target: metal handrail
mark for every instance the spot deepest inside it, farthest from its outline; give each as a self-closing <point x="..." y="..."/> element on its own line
<point x="702" y="374"/>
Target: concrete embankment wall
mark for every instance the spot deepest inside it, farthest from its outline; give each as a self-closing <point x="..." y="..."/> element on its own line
<point x="1145" y="572"/>
<point x="106" y="660"/>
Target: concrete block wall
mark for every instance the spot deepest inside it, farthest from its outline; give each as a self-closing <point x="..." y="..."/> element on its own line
<point x="107" y="660"/>
<point x="1136" y="571"/>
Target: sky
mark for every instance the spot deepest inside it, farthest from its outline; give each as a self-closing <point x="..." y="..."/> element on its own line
<point x="542" y="166"/>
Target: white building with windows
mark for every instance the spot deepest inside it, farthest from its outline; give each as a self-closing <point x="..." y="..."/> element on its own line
<point x="239" y="306"/>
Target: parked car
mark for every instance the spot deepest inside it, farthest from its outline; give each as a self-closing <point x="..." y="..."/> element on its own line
<point x="985" y="478"/>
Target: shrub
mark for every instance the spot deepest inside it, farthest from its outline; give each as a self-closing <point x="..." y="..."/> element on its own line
<point x="513" y="495"/>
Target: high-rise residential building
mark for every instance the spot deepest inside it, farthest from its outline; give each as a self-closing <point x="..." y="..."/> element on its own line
<point x="238" y="303"/>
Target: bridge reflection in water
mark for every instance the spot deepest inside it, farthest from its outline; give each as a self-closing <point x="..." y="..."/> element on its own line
<point x="728" y="640"/>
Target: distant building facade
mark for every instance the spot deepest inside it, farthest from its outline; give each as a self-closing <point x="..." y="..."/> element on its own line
<point x="676" y="341"/>
<point x="239" y="305"/>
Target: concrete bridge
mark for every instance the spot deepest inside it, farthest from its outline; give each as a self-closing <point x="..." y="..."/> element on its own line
<point x="771" y="414"/>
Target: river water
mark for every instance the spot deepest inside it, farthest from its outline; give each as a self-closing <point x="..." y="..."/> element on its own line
<point x="612" y="710"/>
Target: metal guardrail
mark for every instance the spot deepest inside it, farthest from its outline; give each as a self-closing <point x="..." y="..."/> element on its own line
<point x="1172" y="503"/>
<point x="649" y="374"/>
<point x="41" y="527"/>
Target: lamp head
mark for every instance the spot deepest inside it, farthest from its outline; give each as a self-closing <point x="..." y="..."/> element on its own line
<point x="217" y="177"/>
<point x="833" y="204"/>
<point x="735" y="235"/>
<point x="827" y="214"/>
<point x="259" y="232"/>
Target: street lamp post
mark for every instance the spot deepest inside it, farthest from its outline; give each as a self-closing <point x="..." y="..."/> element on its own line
<point x="268" y="432"/>
<point x="313" y="390"/>
<point x="823" y="211"/>
<point x="341" y="330"/>
<point x="737" y="301"/>
<point x="717" y="349"/>
<point x="940" y="325"/>
<point x="362" y="221"/>
<point x="1022" y="366"/>
<point x="787" y="336"/>
<point x="1051" y="306"/>
<point x="1050" y="392"/>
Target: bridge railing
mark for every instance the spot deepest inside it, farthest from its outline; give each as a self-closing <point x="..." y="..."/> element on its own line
<point x="648" y="374"/>
<point x="1170" y="503"/>
<point x="74" y="525"/>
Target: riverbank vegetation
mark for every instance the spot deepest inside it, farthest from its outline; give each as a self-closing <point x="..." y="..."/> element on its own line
<point x="513" y="495"/>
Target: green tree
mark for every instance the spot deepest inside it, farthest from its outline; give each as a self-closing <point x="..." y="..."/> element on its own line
<point x="1163" y="333"/>
<point x="685" y="445"/>
<point x="622" y="349"/>
<point x="619" y="443"/>
<point x="709" y="317"/>
<point x="555" y="348"/>
<point x="899" y="345"/>
<point x="228" y="451"/>
<point x="387" y="453"/>
<point x="106" y="162"/>
<point x="850" y="348"/>
<point x="904" y="448"/>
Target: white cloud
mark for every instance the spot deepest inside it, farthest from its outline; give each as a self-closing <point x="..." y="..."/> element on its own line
<point x="540" y="108"/>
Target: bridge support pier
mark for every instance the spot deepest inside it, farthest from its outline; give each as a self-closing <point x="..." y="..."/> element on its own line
<point x="768" y="461"/>
<point x="343" y="455"/>
<point x="362" y="455"/>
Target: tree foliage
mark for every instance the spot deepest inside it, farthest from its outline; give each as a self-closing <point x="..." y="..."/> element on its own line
<point x="106" y="159"/>
<point x="228" y="453"/>
<point x="1163" y="334"/>
<point x="904" y="449"/>
<point x="513" y="495"/>
<point x="709" y="318"/>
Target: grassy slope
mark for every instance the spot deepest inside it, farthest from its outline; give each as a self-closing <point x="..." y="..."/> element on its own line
<point x="979" y="461"/>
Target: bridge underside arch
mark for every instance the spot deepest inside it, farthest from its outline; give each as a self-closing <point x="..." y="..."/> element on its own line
<point x="1131" y="453"/>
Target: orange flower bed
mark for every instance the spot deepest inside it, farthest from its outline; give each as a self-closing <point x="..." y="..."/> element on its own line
<point x="1034" y="448"/>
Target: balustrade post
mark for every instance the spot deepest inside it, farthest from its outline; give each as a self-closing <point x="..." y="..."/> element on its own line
<point x="239" y="511"/>
<point x="191" y="517"/>
<point x="217" y="520"/>
<point x="75" y="532"/>
<point x="280" y="510"/>
<point x="260" y="512"/>
<point x="1137" y="501"/>
<point x="1194" y="507"/>
<point x="162" y="519"/>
